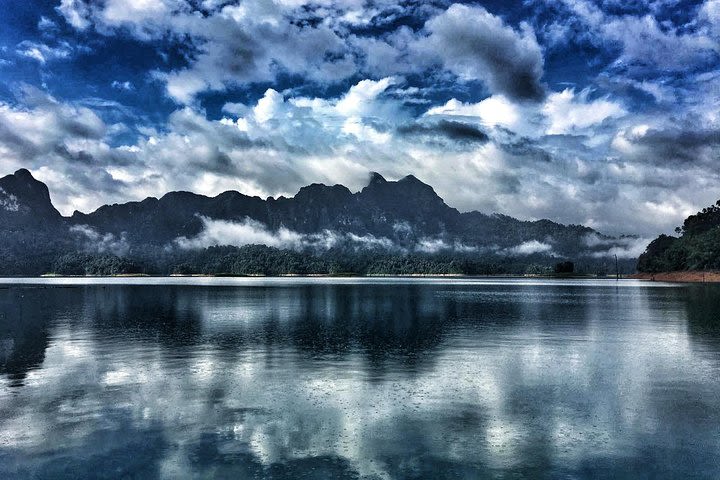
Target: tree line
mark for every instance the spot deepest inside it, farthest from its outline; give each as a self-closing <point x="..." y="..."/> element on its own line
<point x="696" y="248"/>
<point x="270" y="261"/>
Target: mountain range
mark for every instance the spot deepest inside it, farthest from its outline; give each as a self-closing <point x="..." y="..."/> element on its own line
<point x="404" y="217"/>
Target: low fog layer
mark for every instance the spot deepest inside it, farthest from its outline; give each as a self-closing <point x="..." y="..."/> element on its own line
<point x="252" y="232"/>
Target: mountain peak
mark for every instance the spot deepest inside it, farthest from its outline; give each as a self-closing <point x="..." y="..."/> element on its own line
<point x="24" y="173"/>
<point x="322" y="192"/>
<point x="408" y="199"/>
<point x="410" y="184"/>
<point x="411" y="179"/>
<point x="25" y="196"/>
<point x="376" y="179"/>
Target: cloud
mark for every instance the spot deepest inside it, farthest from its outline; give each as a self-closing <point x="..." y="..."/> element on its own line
<point x="364" y="241"/>
<point x="46" y="25"/>
<point x="95" y="242"/>
<point x="63" y="144"/>
<point x="232" y="54"/>
<point x="568" y="113"/>
<point x="531" y="247"/>
<point x="524" y="159"/>
<point x="647" y="45"/>
<point x="494" y="111"/>
<point x="251" y="232"/>
<point x="624" y="247"/>
<point x="709" y="16"/>
<point x="76" y="13"/>
<point x="46" y="124"/>
<point x="436" y="245"/>
<point x="475" y="44"/>
<point x="247" y="232"/>
<point x="126" y="85"/>
<point x="358" y="99"/>
<point x="231" y="45"/>
<point x="562" y="112"/>
<point x="670" y="144"/>
<point x="42" y="52"/>
<point x="457" y="132"/>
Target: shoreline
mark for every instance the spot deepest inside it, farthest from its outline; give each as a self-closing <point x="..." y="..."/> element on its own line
<point x="338" y="275"/>
<point x="693" y="276"/>
<point x="690" y="276"/>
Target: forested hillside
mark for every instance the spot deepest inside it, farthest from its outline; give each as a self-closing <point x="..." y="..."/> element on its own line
<point x="696" y="248"/>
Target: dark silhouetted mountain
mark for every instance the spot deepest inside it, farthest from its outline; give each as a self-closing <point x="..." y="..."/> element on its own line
<point x="377" y="210"/>
<point x="405" y="215"/>
<point x="25" y="202"/>
<point x="33" y="231"/>
<point x="175" y="214"/>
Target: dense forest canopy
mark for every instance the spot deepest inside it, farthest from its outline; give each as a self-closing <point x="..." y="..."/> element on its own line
<point x="263" y="260"/>
<point x="696" y="248"/>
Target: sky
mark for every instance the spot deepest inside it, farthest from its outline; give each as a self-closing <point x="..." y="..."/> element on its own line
<point x="602" y="113"/>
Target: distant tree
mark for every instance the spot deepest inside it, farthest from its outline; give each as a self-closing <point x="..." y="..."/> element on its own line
<point x="89" y="264"/>
<point x="564" y="267"/>
<point x="535" y="269"/>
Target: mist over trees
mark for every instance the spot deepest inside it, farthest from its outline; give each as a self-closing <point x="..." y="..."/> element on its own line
<point x="264" y="260"/>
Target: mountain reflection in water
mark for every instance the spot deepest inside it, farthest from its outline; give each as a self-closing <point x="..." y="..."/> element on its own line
<point x="360" y="379"/>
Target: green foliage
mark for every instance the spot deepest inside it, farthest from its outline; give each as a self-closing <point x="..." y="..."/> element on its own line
<point x="89" y="264"/>
<point x="269" y="261"/>
<point x="24" y="254"/>
<point x="535" y="269"/>
<point x="698" y="248"/>
<point x="412" y="265"/>
<point x="654" y="259"/>
<point x="703" y="221"/>
<point x="250" y="260"/>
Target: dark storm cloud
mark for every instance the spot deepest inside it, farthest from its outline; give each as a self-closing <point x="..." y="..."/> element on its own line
<point x="674" y="145"/>
<point x="80" y="156"/>
<point x="102" y="158"/>
<point x="451" y="130"/>
<point x="528" y="148"/>
<point x="11" y="139"/>
<point x="473" y="42"/>
<point x="218" y="162"/>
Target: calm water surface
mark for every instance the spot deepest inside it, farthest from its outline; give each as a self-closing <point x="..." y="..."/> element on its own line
<point x="358" y="378"/>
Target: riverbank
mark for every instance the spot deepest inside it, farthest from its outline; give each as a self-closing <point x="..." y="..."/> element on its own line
<point x="690" y="276"/>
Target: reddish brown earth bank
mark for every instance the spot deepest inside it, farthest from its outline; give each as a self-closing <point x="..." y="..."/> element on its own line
<point x="682" y="276"/>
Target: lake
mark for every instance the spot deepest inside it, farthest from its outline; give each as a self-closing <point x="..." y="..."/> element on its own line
<point x="292" y="378"/>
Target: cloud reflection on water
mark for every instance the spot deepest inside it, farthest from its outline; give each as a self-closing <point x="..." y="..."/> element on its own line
<point x="376" y="381"/>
